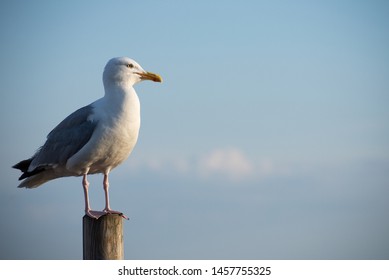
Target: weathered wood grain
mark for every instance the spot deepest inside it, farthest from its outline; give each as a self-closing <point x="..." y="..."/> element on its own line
<point x="103" y="238"/>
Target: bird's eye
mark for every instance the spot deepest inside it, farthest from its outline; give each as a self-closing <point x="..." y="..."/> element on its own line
<point x="130" y="65"/>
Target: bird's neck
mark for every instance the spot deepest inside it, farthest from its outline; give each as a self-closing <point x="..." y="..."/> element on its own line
<point x="122" y="98"/>
<point x="118" y="92"/>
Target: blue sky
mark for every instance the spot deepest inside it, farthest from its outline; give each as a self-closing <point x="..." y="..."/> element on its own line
<point x="269" y="138"/>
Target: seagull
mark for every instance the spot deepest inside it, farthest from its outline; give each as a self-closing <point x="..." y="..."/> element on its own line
<point x="95" y="138"/>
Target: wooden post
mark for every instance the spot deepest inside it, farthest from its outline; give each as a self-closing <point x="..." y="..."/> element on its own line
<point x="103" y="237"/>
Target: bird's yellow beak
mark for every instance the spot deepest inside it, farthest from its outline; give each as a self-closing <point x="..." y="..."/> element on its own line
<point x="150" y="76"/>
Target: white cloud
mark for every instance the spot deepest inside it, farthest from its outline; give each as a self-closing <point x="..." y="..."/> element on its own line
<point x="221" y="164"/>
<point x="230" y="162"/>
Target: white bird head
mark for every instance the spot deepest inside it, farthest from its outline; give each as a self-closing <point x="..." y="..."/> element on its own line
<point x="126" y="71"/>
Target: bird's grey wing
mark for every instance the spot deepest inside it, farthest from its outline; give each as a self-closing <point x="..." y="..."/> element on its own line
<point x="66" y="139"/>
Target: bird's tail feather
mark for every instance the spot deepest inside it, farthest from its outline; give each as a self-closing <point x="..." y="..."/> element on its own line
<point x="38" y="179"/>
<point x="38" y="176"/>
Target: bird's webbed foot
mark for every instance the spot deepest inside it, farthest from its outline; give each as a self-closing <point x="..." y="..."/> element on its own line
<point x="110" y="211"/>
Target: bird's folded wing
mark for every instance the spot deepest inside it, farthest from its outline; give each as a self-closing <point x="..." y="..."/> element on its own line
<point x="66" y="139"/>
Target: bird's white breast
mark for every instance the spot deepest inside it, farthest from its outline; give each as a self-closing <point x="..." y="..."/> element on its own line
<point x="116" y="134"/>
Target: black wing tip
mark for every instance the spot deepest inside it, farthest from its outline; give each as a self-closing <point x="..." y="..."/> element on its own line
<point x="24" y="176"/>
<point x="37" y="170"/>
<point x="23" y="165"/>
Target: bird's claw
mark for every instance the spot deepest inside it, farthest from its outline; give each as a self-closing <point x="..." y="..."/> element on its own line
<point x="97" y="214"/>
<point x="109" y="211"/>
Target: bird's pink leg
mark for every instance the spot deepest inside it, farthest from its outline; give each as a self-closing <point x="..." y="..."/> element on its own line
<point x="106" y="192"/>
<point x="107" y="208"/>
<point x="85" y="185"/>
<point x="88" y="211"/>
